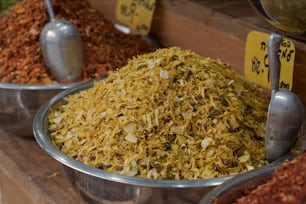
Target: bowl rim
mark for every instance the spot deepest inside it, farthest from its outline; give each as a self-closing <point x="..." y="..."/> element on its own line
<point x="39" y="86"/>
<point x="40" y="135"/>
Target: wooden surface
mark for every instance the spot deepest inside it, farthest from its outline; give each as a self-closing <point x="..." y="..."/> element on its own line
<point x="213" y="28"/>
<point x="29" y="175"/>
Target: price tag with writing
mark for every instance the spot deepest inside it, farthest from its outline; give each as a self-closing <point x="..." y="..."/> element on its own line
<point x="256" y="64"/>
<point x="136" y="14"/>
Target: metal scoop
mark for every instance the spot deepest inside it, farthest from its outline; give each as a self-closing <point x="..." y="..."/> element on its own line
<point x="286" y="112"/>
<point x="62" y="48"/>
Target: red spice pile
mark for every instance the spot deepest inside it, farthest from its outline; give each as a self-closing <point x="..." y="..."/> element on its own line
<point x="287" y="185"/>
<point x="21" y="60"/>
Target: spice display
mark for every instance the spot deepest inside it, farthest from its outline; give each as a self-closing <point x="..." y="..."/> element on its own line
<point x="169" y="114"/>
<point x="287" y="185"/>
<point x="21" y="60"/>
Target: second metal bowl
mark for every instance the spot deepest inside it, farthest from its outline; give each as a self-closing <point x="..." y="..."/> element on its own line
<point x="19" y="104"/>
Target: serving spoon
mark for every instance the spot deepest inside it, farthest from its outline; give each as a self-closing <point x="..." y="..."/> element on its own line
<point x="286" y="111"/>
<point x="62" y="48"/>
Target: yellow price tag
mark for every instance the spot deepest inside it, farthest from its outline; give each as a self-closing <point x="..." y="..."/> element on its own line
<point x="256" y="64"/>
<point x="136" y="14"/>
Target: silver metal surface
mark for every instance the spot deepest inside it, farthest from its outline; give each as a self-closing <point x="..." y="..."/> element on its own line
<point x="62" y="48"/>
<point x="19" y="104"/>
<point x="286" y="112"/>
<point x="286" y="16"/>
<point x="98" y="186"/>
<point x="240" y="185"/>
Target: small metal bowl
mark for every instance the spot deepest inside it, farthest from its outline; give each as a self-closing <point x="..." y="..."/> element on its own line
<point x="19" y="104"/>
<point x="287" y="16"/>
<point x="241" y="185"/>
<point x="98" y="186"/>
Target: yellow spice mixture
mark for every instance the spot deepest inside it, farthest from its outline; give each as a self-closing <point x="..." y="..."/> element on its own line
<point x="169" y="114"/>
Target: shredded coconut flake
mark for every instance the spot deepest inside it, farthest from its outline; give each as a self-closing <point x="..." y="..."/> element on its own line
<point x="131" y="138"/>
<point x="164" y="74"/>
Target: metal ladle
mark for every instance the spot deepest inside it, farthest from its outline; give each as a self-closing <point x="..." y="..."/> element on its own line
<point x="286" y="112"/>
<point x="62" y="48"/>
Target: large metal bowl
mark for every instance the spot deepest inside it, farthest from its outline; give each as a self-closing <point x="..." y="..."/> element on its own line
<point x="241" y="185"/>
<point x="19" y="104"/>
<point x="287" y="16"/>
<point x="98" y="186"/>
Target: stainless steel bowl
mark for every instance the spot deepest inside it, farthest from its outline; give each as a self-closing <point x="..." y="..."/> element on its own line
<point x="240" y="185"/>
<point x="98" y="186"/>
<point x="19" y="104"/>
<point x="286" y="16"/>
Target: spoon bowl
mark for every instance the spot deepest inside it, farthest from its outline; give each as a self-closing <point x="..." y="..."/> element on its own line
<point x="286" y="114"/>
<point x="62" y="48"/>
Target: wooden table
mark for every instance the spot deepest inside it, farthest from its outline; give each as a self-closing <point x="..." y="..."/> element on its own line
<point x="28" y="175"/>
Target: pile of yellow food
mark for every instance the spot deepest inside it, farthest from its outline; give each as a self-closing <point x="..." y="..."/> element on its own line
<point x="170" y="114"/>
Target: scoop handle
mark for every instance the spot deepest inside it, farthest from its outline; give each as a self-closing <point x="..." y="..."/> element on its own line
<point x="274" y="42"/>
<point x="50" y="9"/>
